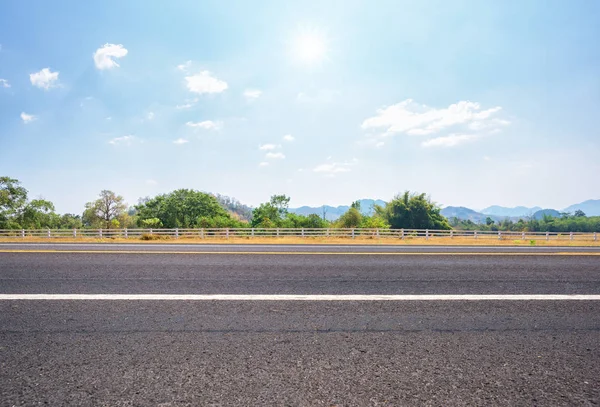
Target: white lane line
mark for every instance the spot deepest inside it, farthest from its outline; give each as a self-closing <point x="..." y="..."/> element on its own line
<point x="293" y="297"/>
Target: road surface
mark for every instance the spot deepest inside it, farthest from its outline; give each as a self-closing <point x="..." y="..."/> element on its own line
<point x="431" y="350"/>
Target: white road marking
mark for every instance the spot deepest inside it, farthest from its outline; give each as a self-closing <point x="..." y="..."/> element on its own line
<point x="294" y="297"/>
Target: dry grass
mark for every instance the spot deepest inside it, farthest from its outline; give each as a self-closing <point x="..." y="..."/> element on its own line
<point x="432" y="241"/>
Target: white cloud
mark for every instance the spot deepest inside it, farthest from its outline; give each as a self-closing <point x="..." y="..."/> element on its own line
<point x="379" y="144"/>
<point x="185" y="67"/>
<point x="267" y="147"/>
<point x="105" y="56"/>
<point x="206" y="125"/>
<point x="493" y="125"/>
<point x="4" y="83"/>
<point x="188" y="103"/>
<point x="450" y="141"/>
<point x="124" y="140"/>
<point x="149" y="115"/>
<point x="252" y="94"/>
<point x="288" y="137"/>
<point x="180" y="141"/>
<point x="278" y="156"/>
<point x="331" y="169"/>
<point x="151" y="182"/>
<point x="414" y="119"/>
<point x="204" y="82"/>
<point x="44" y="79"/>
<point x="487" y="158"/>
<point x="27" y="118"/>
<point x="263" y="164"/>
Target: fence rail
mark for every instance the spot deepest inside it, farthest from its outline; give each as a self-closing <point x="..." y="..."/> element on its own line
<point x="226" y="233"/>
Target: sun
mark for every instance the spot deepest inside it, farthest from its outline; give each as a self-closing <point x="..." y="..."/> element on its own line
<point x="309" y="47"/>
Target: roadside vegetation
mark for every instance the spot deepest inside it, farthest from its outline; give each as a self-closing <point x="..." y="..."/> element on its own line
<point x="188" y="208"/>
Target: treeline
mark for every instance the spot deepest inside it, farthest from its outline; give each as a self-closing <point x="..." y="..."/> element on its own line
<point x="188" y="208"/>
<point x="577" y="222"/>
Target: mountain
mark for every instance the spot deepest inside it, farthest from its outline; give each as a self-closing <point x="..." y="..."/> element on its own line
<point x="538" y="215"/>
<point x="463" y="213"/>
<point x="504" y="212"/>
<point x="590" y="207"/>
<point x="334" y="212"/>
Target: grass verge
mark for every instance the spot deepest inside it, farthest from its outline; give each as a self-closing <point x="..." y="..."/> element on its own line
<point x="432" y="241"/>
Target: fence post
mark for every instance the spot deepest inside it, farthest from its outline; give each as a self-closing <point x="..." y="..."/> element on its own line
<point x="595" y="237"/>
<point x="201" y="233"/>
<point x="23" y="233"/>
<point x="74" y="232"/>
<point x="277" y="232"/>
<point x="402" y="234"/>
<point x="522" y="235"/>
<point x="227" y="233"/>
<point x="499" y="235"/>
<point x="475" y="234"/>
<point x="150" y="230"/>
<point x="451" y="234"/>
<point x="426" y="234"/>
<point x="377" y="233"/>
<point x="176" y="233"/>
<point x="302" y="232"/>
<point x="547" y="235"/>
<point x="100" y="233"/>
<point x="327" y="233"/>
<point x="352" y="233"/>
<point x="252" y="233"/>
<point x="125" y="233"/>
<point x="571" y="235"/>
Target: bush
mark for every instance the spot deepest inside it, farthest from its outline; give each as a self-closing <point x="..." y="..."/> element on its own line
<point x="148" y="236"/>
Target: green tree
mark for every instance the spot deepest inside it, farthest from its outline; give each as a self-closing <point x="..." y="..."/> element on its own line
<point x="102" y="211"/>
<point x="185" y="208"/>
<point x="70" y="221"/>
<point x="38" y="214"/>
<point x="413" y="211"/>
<point x="579" y="213"/>
<point x="352" y="218"/>
<point x="271" y="214"/>
<point x="13" y="198"/>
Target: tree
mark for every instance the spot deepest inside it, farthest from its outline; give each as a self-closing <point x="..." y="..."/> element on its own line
<point x="13" y="198"/>
<point x="281" y="202"/>
<point x="352" y="218"/>
<point x="579" y="213"/>
<point x="413" y="211"/>
<point x="38" y="214"/>
<point x="185" y="208"/>
<point x="104" y="210"/>
<point x="489" y="221"/>
<point x="271" y="214"/>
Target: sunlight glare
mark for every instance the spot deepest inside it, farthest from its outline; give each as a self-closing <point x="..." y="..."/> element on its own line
<point x="310" y="47"/>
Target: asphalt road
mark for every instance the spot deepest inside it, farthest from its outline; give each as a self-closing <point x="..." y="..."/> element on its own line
<point x="298" y="353"/>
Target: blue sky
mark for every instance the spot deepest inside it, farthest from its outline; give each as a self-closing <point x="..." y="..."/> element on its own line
<point x="474" y="102"/>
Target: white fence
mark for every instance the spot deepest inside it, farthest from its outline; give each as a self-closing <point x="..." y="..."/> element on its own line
<point x="248" y="233"/>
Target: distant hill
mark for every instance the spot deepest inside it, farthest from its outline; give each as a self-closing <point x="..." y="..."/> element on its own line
<point x="504" y="212"/>
<point x="590" y="207"/>
<point x="235" y="207"/>
<point x="463" y="213"/>
<point x="546" y="212"/>
<point x="334" y="212"/>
